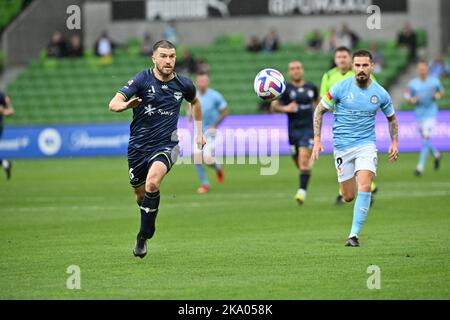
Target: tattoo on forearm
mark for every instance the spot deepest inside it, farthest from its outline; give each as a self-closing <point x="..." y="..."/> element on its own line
<point x="318" y="116"/>
<point x="393" y="129"/>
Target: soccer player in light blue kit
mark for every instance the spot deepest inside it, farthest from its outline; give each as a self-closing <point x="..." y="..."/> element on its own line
<point x="354" y="102"/>
<point x="214" y="110"/>
<point x="423" y="92"/>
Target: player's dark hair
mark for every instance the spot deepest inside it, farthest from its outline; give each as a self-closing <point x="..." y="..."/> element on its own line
<point x="163" y="44"/>
<point x="343" y="48"/>
<point x="362" y="53"/>
<point x="202" y="73"/>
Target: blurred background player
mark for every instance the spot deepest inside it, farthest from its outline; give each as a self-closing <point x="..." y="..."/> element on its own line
<point x="152" y="149"/>
<point x="423" y="92"/>
<point x="355" y="102"/>
<point x="342" y="70"/>
<point x="214" y="110"/>
<point x="298" y="102"/>
<point x="6" y="110"/>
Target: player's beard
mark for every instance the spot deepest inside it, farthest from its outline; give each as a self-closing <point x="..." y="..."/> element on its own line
<point x="362" y="81"/>
<point x="163" y="71"/>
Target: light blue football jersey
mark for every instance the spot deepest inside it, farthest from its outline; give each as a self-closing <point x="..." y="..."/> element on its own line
<point x="354" y="112"/>
<point x="212" y="103"/>
<point x="426" y="107"/>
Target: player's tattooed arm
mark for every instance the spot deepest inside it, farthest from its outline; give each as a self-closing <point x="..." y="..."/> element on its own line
<point x="393" y="127"/>
<point x="318" y="118"/>
<point x="119" y="103"/>
<point x="393" y="131"/>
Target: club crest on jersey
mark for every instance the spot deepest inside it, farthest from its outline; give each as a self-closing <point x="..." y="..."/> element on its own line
<point x="374" y="99"/>
<point x="310" y="93"/>
<point x="292" y="95"/>
<point x="178" y="95"/>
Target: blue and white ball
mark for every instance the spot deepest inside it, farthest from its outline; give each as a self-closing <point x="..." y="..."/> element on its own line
<point x="269" y="84"/>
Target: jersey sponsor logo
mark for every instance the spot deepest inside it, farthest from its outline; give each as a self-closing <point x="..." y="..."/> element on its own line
<point x="178" y="95"/>
<point x="374" y="99"/>
<point x="165" y="87"/>
<point x="130" y="82"/>
<point x="149" y="110"/>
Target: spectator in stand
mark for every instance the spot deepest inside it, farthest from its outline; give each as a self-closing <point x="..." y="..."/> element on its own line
<point x="271" y="42"/>
<point x="439" y="68"/>
<point x="75" y="49"/>
<point x="104" y="48"/>
<point x="254" y="45"/>
<point x="147" y="45"/>
<point x="171" y="33"/>
<point x="57" y="48"/>
<point x="315" y="42"/>
<point x="104" y="45"/>
<point x="187" y="65"/>
<point x="330" y="42"/>
<point x="377" y="58"/>
<point x="407" y="38"/>
<point x="346" y="37"/>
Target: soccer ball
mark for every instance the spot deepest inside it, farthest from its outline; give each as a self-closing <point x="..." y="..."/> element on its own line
<point x="269" y="84"/>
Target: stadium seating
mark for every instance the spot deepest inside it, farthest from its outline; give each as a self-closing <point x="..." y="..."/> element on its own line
<point x="8" y="10"/>
<point x="78" y="90"/>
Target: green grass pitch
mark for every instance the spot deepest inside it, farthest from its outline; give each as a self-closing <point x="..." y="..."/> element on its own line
<point x="247" y="239"/>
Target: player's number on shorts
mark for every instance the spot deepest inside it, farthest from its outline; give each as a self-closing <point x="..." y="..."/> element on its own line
<point x="131" y="173"/>
<point x="339" y="161"/>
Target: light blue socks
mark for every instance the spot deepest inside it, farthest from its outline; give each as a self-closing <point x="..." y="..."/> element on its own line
<point x="360" y="211"/>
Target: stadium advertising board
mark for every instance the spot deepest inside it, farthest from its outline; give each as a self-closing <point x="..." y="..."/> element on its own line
<point x="203" y="9"/>
<point x="238" y="135"/>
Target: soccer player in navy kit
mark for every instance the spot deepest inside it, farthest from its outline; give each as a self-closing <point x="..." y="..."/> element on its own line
<point x="298" y="101"/>
<point x="153" y="146"/>
<point x="6" y="110"/>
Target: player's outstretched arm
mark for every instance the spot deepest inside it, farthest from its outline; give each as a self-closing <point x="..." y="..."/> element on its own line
<point x="119" y="104"/>
<point x="393" y="131"/>
<point x="318" y="118"/>
<point x="196" y="109"/>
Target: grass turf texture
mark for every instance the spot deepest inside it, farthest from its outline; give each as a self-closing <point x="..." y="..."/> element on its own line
<point x="247" y="239"/>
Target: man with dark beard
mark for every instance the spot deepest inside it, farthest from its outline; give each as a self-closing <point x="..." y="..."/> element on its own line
<point x="354" y="102"/>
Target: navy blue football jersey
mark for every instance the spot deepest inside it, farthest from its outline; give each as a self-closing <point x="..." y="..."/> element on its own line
<point x="155" y="118"/>
<point x="304" y="96"/>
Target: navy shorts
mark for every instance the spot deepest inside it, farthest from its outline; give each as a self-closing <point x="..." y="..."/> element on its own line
<point x="301" y="139"/>
<point x="140" y="162"/>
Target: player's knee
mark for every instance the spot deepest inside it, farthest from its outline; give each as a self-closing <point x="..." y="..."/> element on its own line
<point x="152" y="184"/>
<point x="364" y="186"/>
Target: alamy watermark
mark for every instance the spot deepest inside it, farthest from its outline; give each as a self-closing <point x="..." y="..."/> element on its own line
<point x="374" y="280"/>
<point x="74" y="280"/>
<point x="73" y="21"/>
